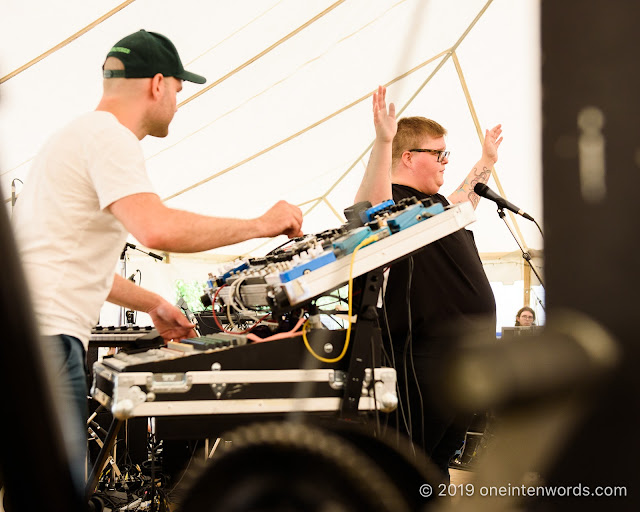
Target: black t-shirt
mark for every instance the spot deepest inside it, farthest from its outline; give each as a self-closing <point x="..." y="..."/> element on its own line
<point x="450" y="293"/>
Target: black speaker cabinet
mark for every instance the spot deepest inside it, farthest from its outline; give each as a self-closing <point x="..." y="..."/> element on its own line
<point x="591" y="175"/>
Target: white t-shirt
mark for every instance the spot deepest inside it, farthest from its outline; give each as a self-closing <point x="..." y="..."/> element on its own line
<point x="68" y="240"/>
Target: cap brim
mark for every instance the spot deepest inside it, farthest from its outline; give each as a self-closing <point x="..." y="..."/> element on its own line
<point x="192" y="77"/>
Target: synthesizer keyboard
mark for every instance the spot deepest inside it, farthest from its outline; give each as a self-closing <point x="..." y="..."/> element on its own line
<point x="117" y="336"/>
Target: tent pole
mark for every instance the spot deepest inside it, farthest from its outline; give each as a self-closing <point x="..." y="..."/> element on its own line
<point x="527" y="284"/>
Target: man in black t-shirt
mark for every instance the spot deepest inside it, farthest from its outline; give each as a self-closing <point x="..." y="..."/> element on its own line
<point x="439" y="294"/>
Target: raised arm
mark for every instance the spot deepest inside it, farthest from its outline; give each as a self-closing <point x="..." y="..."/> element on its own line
<point x="481" y="170"/>
<point x="147" y="218"/>
<point x="376" y="183"/>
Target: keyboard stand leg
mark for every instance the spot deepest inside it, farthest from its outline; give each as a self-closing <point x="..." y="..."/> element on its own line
<point x="209" y="454"/>
<point x="109" y="441"/>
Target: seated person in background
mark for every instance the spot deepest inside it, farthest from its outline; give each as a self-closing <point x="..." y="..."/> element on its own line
<point x="525" y="317"/>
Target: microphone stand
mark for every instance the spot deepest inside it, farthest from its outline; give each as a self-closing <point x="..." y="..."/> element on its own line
<point x="525" y="254"/>
<point x="123" y="272"/>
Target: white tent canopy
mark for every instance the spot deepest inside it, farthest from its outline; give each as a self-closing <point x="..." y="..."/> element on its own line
<point x="286" y="111"/>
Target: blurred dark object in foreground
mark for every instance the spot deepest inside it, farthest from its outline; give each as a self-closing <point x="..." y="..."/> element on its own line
<point x="566" y="407"/>
<point x="34" y="462"/>
<point x="299" y="467"/>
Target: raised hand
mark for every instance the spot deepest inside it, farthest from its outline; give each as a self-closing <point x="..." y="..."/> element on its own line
<point x="492" y="141"/>
<point x="384" y="120"/>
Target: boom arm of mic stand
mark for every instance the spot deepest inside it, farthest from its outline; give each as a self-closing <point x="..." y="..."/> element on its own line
<point x="131" y="246"/>
<point x="525" y="254"/>
<point x="152" y="254"/>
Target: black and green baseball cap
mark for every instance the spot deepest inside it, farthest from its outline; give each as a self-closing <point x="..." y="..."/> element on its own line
<point x="145" y="54"/>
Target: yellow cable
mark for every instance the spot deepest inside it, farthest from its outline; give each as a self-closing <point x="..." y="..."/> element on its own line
<point x="366" y="241"/>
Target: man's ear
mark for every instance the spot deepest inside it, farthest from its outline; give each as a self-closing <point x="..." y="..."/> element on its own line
<point x="407" y="158"/>
<point x="157" y="86"/>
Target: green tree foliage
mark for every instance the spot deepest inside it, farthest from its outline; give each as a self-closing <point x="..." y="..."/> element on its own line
<point x="191" y="292"/>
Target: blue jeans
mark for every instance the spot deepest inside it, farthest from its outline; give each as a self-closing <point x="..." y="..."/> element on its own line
<point x="67" y="359"/>
<point x="74" y="365"/>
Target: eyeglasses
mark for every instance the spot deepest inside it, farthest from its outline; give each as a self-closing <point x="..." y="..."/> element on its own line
<point x="440" y="152"/>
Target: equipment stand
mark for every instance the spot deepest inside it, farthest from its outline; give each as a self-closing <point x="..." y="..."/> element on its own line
<point x="366" y="339"/>
<point x="101" y="461"/>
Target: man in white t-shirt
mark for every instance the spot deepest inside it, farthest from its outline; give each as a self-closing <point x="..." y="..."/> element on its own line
<point x="88" y="189"/>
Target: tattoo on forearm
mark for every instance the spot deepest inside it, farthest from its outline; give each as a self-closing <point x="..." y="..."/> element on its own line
<point x="479" y="177"/>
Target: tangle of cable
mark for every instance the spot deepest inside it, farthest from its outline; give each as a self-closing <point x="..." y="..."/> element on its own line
<point x="366" y="241"/>
<point x="281" y="335"/>
<point x="217" y="320"/>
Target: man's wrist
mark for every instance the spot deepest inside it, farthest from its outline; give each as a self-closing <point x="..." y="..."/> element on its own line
<point x="155" y="301"/>
<point x="259" y="227"/>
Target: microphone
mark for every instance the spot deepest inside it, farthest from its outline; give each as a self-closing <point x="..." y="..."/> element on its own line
<point x="482" y="190"/>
